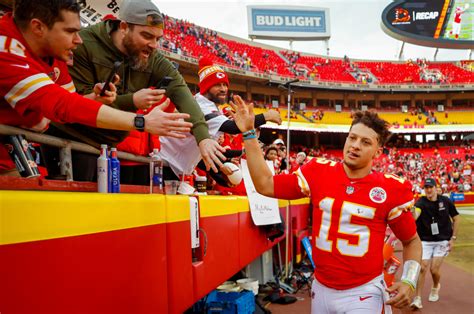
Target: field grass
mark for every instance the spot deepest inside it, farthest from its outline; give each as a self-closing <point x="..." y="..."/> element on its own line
<point x="463" y="253"/>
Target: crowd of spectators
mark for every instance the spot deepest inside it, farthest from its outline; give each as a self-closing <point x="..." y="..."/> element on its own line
<point x="179" y="32"/>
<point x="187" y="39"/>
<point x="453" y="174"/>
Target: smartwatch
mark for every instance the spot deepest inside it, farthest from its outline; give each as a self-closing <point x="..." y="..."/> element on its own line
<point x="139" y="122"/>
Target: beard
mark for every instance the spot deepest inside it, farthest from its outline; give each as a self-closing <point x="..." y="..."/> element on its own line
<point x="217" y="100"/>
<point x="137" y="61"/>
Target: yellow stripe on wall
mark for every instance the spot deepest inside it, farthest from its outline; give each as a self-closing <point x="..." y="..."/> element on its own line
<point x="301" y="201"/>
<point x="177" y="208"/>
<point x="211" y="206"/>
<point x="30" y="216"/>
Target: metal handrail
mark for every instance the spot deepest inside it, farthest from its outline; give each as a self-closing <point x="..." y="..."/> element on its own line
<point x="66" y="146"/>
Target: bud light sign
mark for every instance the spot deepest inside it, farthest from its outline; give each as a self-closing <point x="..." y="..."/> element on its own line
<point x="290" y="23"/>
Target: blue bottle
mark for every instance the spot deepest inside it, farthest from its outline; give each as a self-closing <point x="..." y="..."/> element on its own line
<point x="156" y="171"/>
<point x="114" y="171"/>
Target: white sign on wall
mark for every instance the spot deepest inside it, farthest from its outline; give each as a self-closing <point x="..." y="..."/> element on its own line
<point x="264" y="210"/>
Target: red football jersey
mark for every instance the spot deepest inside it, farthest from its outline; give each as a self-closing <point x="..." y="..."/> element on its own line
<point x="457" y="16"/>
<point x="349" y="218"/>
<point x="34" y="91"/>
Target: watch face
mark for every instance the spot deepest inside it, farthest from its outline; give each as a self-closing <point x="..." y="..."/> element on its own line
<point x="139" y="122"/>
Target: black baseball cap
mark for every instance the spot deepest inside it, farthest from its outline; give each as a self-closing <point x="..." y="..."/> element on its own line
<point x="430" y="182"/>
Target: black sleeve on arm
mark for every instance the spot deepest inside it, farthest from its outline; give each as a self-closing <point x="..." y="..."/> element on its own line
<point x="231" y="153"/>
<point x="231" y="128"/>
<point x="219" y="177"/>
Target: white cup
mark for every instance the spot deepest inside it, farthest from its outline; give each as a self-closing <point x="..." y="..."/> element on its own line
<point x="185" y="189"/>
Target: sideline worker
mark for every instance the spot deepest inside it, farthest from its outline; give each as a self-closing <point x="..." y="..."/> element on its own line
<point x="437" y="226"/>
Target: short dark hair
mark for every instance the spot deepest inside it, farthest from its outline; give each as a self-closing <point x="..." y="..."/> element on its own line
<point x="47" y="11"/>
<point x="372" y="120"/>
<point x="269" y="148"/>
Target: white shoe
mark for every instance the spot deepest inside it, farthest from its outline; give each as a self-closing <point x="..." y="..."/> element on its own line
<point x="417" y="303"/>
<point x="434" y="295"/>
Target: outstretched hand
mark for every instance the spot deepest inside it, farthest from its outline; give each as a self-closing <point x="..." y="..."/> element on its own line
<point x="244" y="116"/>
<point x="211" y="153"/>
<point x="167" y="124"/>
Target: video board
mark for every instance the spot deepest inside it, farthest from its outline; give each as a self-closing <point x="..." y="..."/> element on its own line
<point x="432" y="23"/>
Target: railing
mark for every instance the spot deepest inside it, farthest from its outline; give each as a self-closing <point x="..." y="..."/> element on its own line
<point x="66" y="147"/>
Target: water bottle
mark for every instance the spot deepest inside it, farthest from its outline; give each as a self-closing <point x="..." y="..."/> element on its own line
<point x="102" y="170"/>
<point x="156" y="171"/>
<point x="114" y="172"/>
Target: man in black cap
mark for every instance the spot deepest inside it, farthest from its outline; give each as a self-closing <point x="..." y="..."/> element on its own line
<point x="437" y="225"/>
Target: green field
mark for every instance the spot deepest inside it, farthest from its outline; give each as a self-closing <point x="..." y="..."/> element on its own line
<point x="463" y="253"/>
<point x="467" y="21"/>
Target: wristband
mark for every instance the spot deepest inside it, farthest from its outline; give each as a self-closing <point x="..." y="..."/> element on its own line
<point x="249" y="134"/>
<point x="411" y="271"/>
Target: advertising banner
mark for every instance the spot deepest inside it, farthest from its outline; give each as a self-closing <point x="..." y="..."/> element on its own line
<point x="288" y="22"/>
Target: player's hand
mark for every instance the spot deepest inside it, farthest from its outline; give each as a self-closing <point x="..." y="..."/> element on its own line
<point x="167" y="124"/>
<point x="147" y="97"/>
<point x="211" y="153"/>
<point x="244" y="116"/>
<point x="402" y="295"/>
<point x="272" y="116"/>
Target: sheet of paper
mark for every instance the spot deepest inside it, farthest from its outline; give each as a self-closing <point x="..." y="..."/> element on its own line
<point x="264" y="210"/>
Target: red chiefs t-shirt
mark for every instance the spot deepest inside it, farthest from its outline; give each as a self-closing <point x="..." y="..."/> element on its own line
<point x="349" y="218"/>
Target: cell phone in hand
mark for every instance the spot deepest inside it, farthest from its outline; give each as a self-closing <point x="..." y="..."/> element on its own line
<point x="114" y="71"/>
<point x="165" y="81"/>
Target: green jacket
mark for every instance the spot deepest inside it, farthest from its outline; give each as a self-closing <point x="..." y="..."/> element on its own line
<point x="93" y="62"/>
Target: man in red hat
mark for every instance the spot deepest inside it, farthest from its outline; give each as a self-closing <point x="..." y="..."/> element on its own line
<point x="214" y="88"/>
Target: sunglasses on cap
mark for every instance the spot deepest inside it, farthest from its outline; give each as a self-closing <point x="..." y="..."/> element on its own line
<point x="155" y="20"/>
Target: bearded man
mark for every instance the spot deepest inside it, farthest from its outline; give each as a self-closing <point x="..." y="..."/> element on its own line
<point x="133" y="40"/>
